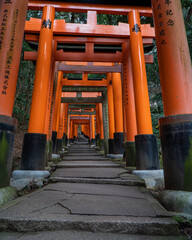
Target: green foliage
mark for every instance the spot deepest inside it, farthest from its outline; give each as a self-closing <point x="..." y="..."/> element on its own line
<point x="24" y="89"/>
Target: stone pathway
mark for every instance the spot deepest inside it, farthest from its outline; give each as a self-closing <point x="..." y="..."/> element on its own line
<point x="92" y="196"/>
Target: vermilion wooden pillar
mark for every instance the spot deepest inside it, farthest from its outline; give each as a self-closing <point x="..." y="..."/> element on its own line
<point x="111" y="116"/>
<point x="93" y="129"/>
<point x="65" y="124"/>
<point x="61" y="127"/>
<point x="146" y="145"/>
<point x="176" y="83"/>
<point x="98" y="127"/>
<point x="118" y="111"/>
<point x="101" y="142"/>
<point x="130" y="114"/>
<point x="48" y="116"/>
<point x="71" y="132"/>
<point x="12" y="21"/>
<point x="56" y="111"/>
<point x="35" y="140"/>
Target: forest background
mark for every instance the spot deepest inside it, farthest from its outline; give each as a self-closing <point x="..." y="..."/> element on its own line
<point x="27" y="68"/>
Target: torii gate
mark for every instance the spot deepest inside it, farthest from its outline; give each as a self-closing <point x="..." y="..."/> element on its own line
<point x="175" y="77"/>
<point x="34" y="26"/>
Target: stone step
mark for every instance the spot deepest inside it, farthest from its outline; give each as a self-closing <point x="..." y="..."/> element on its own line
<point x="128" y="182"/>
<point x="83" y="158"/>
<point x="70" y="154"/>
<point x="83" y="164"/>
<point x="103" y="173"/>
<point x="75" y="235"/>
<point x="82" y="151"/>
<point x="93" y="207"/>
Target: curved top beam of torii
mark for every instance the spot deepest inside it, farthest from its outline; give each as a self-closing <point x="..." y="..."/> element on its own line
<point x="119" y="8"/>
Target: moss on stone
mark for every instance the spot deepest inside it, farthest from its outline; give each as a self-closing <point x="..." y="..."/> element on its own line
<point x="7" y="194"/>
<point x="188" y="170"/>
<point x="4" y="148"/>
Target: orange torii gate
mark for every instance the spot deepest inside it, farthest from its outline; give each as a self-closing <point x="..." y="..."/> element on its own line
<point x="175" y="78"/>
<point x="91" y="28"/>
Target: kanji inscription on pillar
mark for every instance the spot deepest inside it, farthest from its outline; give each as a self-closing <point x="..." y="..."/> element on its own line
<point x="46" y="24"/>
<point x="136" y="28"/>
<point x="165" y="15"/>
<point x="12" y="22"/>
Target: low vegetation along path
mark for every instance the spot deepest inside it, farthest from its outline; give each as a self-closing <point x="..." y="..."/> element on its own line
<point x="89" y="197"/>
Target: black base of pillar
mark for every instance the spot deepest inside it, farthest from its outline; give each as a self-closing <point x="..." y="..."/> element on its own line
<point x="70" y="140"/>
<point x="111" y="146"/>
<point x="93" y="141"/>
<point x="7" y="134"/>
<point x="130" y="154"/>
<point x="147" y="157"/>
<point x="54" y="139"/>
<point x="64" y="140"/>
<point x="118" y="143"/>
<point x="33" y="153"/>
<point x="97" y="140"/>
<point x="50" y="150"/>
<point x="59" y="145"/>
<point x="101" y="145"/>
<point x="176" y="140"/>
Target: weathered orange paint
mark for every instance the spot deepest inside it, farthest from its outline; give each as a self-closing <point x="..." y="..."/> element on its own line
<point x="84" y="7"/>
<point x="86" y="83"/>
<point x="61" y="27"/>
<point x="101" y="121"/>
<point x="110" y="107"/>
<point x="98" y="127"/>
<point x="93" y="126"/>
<point x="61" y="119"/>
<point x="57" y="101"/>
<point x="129" y="99"/>
<point x="71" y="130"/>
<point x="63" y="56"/>
<point x="48" y="125"/>
<point x="143" y="114"/>
<point x="117" y="100"/>
<point x="40" y="90"/>
<point x="174" y="58"/>
<point x="66" y="107"/>
<point x="12" y="21"/>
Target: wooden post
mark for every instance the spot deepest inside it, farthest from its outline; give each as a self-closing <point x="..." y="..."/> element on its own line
<point x="35" y="140"/>
<point x="176" y="83"/>
<point x="118" y="110"/>
<point x="12" y="22"/>
<point x="130" y="114"/>
<point x="105" y="122"/>
<point x="146" y="145"/>
<point x="111" y="115"/>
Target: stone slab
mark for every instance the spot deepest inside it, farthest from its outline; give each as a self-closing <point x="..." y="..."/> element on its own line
<point x="87" y="199"/>
<point x="87" y="206"/>
<point x="18" y="174"/>
<point x="83" y="164"/>
<point x="115" y="156"/>
<point x="97" y="189"/>
<point x="75" y="235"/>
<point x="149" y="173"/>
<point x="55" y="156"/>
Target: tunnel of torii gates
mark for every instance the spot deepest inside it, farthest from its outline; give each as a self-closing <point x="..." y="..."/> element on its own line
<point x="115" y="111"/>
